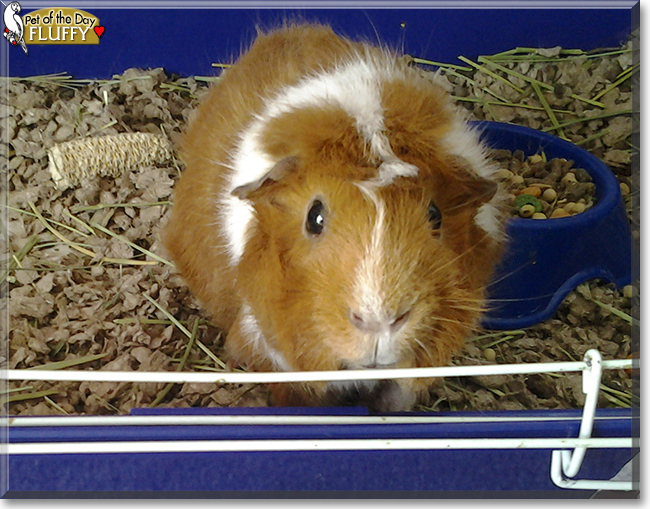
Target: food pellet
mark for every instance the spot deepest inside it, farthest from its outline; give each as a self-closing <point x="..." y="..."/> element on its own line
<point x="532" y="191"/>
<point x="579" y="208"/>
<point x="539" y="215"/>
<point x="503" y="174"/>
<point x="629" y="291"/>
<point x="526" y="199"/>
<point x="549" y="194"/>
<point x="625" y="189"/>
<point x="489" y="354"/>
<point x="557" y="213"/>
<point x="527" y="210"/>
<point x="569" y="177"/>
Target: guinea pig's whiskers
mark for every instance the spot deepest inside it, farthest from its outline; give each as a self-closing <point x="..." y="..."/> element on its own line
<point x="420" y="343"/>
<point x="453" y="321"/>
<point x="493" y="302"/>
<point x="459" y="256"/>
<point x="229" y="166"/>
<point x="466" y="300"/>
<point x="461" y="205"/>
<point x="512" y="272"/>
<point x="473" y="309"/>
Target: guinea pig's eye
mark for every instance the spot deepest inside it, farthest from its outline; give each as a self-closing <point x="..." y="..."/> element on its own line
<point x="435" y="216"/>
<point x="315" y="218"/>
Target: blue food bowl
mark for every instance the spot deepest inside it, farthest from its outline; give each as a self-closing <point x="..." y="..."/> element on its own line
<point x="547" y="259"/>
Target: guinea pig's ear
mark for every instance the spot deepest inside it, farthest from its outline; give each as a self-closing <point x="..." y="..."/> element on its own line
<point x="471" y="189"/>
<point x="280" y="170"/>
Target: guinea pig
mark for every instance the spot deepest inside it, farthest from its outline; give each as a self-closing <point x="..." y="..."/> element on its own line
<point x="336" y="212"/>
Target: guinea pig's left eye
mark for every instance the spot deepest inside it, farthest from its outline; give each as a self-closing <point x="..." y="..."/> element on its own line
<point x="315" y="218"/>
<point x="435" y="216"/>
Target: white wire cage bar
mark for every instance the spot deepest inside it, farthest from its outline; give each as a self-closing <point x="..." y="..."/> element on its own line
<point x="369" y="444"/>
<point x="307" y="376"/>
<point x="280" y="420"/>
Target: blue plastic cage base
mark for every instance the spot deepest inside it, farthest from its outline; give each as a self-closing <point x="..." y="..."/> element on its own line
<point x="367" y="473"/>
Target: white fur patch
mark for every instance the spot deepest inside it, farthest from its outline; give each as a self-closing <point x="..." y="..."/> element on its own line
<point x="368" y="290"/>
<point x="354" y="86"/>
<point x="487" y="218"/>
<point x="462" y="141"/>
<point x="391" y="169"/>
<point x="250" y="164"/>
<point x="253" y="333"/>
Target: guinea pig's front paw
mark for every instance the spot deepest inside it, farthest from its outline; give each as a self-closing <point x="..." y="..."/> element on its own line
<point x="381" y="396"/>
<point x="392" y="397"/>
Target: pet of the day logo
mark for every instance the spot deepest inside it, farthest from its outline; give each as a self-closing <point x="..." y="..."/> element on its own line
<point x="58" y="25"/>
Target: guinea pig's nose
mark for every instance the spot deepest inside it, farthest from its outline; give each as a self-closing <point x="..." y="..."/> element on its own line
<point x="368" y="323"/>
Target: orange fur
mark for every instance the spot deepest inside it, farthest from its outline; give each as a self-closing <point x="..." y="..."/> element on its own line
<point x="301" y="288"/>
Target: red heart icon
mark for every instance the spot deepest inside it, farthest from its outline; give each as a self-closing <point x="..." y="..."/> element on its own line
<point x="99" y="31"/>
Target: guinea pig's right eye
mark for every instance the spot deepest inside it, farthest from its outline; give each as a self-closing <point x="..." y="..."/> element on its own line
<point x="315" y="218"/>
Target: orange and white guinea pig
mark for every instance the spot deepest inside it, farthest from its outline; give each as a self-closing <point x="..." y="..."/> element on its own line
<point x="336" y="212"/>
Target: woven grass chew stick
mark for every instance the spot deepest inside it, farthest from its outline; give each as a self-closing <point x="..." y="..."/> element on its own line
<point x="75" y="160"/>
